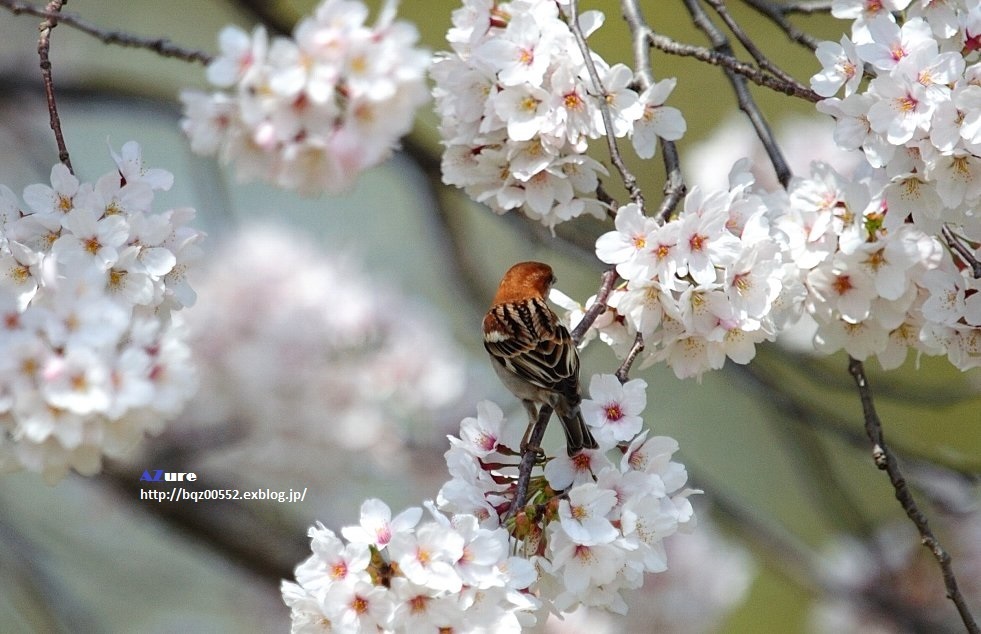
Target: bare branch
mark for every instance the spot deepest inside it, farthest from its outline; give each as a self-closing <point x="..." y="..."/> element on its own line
<point x="727" y="61"/>
<point x="956" y="243"/>
<point x="806" y="7"/>
<point x="43" y="46"/>
<point x="886" y="461"/>
<point x="761" y="60"/>
<point x="598" y="307"/>
<point x="746" y="102"/>
<point x="162" y="46"/>
<point x="674" y="186"/>
<point x="776" y="13"/>
<point x="623" y="372"/>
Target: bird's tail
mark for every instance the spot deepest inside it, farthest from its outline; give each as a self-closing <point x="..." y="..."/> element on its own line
<point x="577" y="434"/>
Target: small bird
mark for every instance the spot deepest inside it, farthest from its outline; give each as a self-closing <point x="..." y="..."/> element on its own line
<point x="533" y="354"/>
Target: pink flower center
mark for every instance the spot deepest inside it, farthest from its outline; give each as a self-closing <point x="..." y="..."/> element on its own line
<point x="614" y="412"/>
<point x="697" y="242"/>
<point x="338" y="570"/>
<point x="842" y="284"/>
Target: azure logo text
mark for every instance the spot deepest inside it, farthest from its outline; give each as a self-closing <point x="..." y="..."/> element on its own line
<point x="159" y="475"/>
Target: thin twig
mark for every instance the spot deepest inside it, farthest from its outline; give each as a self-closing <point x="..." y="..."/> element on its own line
<point x="674" y="181"/>
<point x="43" y="46"/>
<point x="623" y="372"/>
<point x="776" y="13"/>
<point x="955" y="242"/>
<point x="629" y="180"/>
<point x="761" y="60"/>
<point x="162" y="46"/>
<point x="746" y="102"/>
<point x="806" y="7"/>
<point x="750" y="72"/>
<point x="609" y="203"/>
<point x="598" y="308"/>
<point x="886" y="461"/>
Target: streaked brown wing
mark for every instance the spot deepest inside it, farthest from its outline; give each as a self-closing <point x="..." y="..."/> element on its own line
<point x="529" y="341"/>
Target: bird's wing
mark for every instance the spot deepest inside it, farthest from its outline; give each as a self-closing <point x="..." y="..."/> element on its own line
<point x="527" y="338"/>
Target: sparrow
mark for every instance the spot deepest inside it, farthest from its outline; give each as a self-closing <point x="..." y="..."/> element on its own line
<point x="533" y="354"/>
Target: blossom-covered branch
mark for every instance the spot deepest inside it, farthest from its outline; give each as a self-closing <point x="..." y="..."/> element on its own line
<point x="604" y="101"/>
<point x="674" y="182"/>
<point x="95" y="352"/>
<point x="312" y="111"/>
<point x="883" y="260"/>
<point x="518" y="108"/>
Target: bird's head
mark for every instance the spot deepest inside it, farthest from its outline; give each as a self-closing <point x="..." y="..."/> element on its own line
<point x="523" y="281"/>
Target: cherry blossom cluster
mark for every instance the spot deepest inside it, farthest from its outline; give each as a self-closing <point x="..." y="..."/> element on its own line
<point x="313" y="111"/>
<point x="401" y="574"/>
<point x="591" y="526"/>
<point x="705" y="286"/>
<point x="918" y="122"/>
<point x="287" y="335"/>
<point x="682" y="599"/>
<point x="517" y="109"/>
<point x="875" y="288"/>
<point x="93" y="356"/>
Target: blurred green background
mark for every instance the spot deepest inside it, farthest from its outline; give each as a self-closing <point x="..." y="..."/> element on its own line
<point x="777" y="447"/>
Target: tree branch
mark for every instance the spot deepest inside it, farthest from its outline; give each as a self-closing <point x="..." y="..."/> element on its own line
<point x="43" y="46"/>
<point x="776" y="13"/>
<point x="162" y="46"/>
<point x="956" y="243"/>
<point x="527" y="463"/>
<point x="886" y="461"/>
<point x="674" y="184"/>
<point x="750" y="72"/>
<point x="609" y="278"/>
<point x="761" y="60"/>
<point x="623" y="372"/>
<point x="806" y="7"/>
<point x="746" y="102"/>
